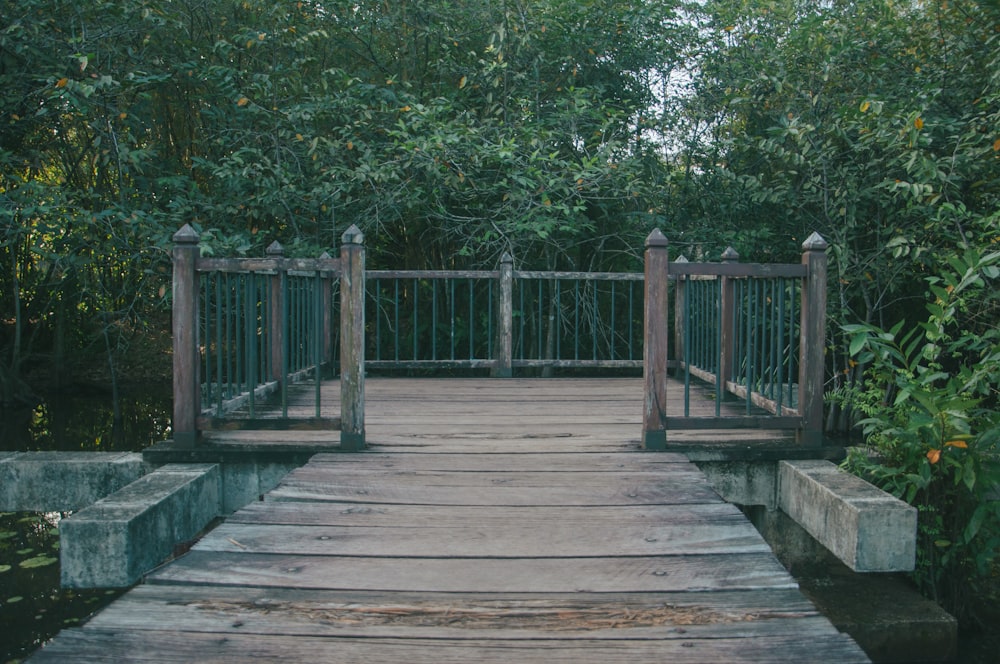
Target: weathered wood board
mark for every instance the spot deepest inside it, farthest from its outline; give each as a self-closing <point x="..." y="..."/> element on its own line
<point x="498" y="523"/>
<point x="516" y="415"/>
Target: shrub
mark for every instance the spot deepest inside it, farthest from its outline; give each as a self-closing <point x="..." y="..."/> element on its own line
<point x="932" y="424"/>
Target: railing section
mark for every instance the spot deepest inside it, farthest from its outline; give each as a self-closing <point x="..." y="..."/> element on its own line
<point x="503" y="319"/>
<point x="753" y="331"/>
<point x="245" y="329"/>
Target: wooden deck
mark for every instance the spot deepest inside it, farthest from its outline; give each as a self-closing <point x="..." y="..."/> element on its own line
<point x="491" y="521"/>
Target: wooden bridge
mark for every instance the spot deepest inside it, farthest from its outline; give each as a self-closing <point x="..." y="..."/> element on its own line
<point x="512" y="520"/>
<point x="488" y="519"/>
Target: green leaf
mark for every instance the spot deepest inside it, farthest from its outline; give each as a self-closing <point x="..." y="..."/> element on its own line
<point x="975" y="523"/>
<point x="969" y="476"/>
<point x="38" y="561"/>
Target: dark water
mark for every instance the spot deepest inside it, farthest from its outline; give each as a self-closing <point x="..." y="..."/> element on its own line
<point x="33" y="607"/>
<point x="84" y="420"/>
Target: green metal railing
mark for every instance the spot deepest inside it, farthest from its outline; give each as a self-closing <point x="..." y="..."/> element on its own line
<point x="762" y="364"/>
<point x="262" y="333"/>
<point x="466" y="319"/>
<point x="577" y="320"/>
<point x="431" y="319"/>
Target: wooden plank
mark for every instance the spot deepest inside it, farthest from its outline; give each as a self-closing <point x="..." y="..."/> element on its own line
<point x="549" y="461"/>
<point x="734" y="422"/>
<point x="268" y="265"/>
<point x="745" y="270"/>
<point x="528" y="616"/>
<point x="269" y="423"/>
<point x="551" y="539"/>
<point x="103" y="646"/>
<point x="500" y="495"/>
<point x="691" y="573"/>
<point x="346" y="476"/>
<point x="389" y="516"/>
<point x="431" y="274"/>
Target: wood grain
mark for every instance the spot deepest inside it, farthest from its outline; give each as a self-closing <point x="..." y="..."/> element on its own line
<point x="501" y="521"/>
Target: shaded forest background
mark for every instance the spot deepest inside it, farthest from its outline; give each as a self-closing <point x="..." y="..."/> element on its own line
<point x="450" y="131"/>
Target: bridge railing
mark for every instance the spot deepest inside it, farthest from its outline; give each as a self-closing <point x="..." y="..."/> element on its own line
<point x="245" y="329"/>
<point x="754" y="331"/>
<point x="503" y="319"/>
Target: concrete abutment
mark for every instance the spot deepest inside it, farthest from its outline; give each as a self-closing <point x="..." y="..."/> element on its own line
<point x="130" y="511"/>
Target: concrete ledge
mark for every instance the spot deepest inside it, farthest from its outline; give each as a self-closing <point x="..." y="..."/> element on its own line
<point x="64" y="481"/>
<point x="112" y="543"/>
<point x="744" y="482"/>
<point x="868" y="529"/>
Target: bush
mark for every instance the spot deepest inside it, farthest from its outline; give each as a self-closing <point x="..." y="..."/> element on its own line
<point x="932" y="425"/>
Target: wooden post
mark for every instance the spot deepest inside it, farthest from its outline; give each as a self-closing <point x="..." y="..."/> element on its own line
<point x="505" y="326"/>
<point x="326" y="296"/>
<point x="812" y="342"/>
<point x="187" y="381"/>
<point x="654" y="421"/>
<point x="727" y="322"/>
<point x="276" y="315"/>
<point x="352" y="340"/>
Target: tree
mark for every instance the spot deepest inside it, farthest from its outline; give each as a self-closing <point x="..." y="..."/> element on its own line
<point x="870" y="122"/>
<point x="449" y="131"/>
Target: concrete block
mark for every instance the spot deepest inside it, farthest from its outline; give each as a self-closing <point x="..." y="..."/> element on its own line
<point x="244" y="483"/>
<point x="868" y="529"/>
<point x="744" y="482"/>
<point x="64" y="481"/>
<point x="112" y="543"/>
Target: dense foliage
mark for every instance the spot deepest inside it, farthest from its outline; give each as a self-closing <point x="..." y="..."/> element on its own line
<point x="933" y="426"/>
<point x="449" y="131"/>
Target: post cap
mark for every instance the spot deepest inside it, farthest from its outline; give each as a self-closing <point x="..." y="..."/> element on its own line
<point x="275" y="249"/>
<point x="507" y="258"/>
<point x="815" y="242"/>
<point x="681" y="259"/>
<point x="353" y="235"/>
<point x="730" y="255"/>
<point x="186" y="235"/>
<point x="656" y="239"/>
